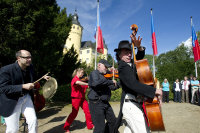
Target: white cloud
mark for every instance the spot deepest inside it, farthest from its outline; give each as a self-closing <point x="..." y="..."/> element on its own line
<point x="187" y="43"/>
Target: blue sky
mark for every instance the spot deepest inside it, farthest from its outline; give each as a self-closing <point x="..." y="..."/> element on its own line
<point x="171" y="20"/>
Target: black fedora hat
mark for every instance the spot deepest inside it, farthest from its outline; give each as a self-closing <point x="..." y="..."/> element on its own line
<point x="123" y="44"/>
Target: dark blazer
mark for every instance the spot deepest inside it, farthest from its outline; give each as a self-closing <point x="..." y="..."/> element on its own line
<point x="100" y="87"/>
<point x="130" y="84"/>
<point x="11" y="81"/>
<point x="174" y="86"/>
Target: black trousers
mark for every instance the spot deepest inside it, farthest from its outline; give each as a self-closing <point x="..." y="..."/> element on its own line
<point x="177" y="96"/>
<point x="101" y="111"/>
<point x="165" y="96"/>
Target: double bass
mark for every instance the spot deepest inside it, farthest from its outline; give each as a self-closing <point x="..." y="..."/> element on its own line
<point x="152" y="106"/>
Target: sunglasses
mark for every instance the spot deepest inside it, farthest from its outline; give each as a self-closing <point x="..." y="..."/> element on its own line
<point x="27" y="57"/>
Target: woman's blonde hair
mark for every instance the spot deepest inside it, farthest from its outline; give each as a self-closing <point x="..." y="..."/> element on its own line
<point x="77" y="70"/>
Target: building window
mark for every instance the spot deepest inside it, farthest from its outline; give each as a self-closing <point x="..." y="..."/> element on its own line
<point x="73" y="27"/>
<point x="87" y="60"/>
<point x="80" y="61"/>
<point x="80" y="52"/>
<point x="69" y="39"/>
<point x="88" y="51"/>
<point x="77" y="28"/>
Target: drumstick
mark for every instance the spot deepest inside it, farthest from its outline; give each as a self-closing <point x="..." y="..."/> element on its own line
<point x="40" y="78"/>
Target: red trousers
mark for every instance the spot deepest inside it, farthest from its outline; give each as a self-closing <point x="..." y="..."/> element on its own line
<point x="76" y="103"/>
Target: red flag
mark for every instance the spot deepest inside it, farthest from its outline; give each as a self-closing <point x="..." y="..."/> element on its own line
<point x="100" y="47"/>
<point x="195" y="45"/>
<point x="154" y="45"/>
<point x="99" y="43"/>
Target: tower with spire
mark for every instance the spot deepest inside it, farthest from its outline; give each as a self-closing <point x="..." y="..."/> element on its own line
<point x="84" y="49"/>
<point x="75" y="35"/>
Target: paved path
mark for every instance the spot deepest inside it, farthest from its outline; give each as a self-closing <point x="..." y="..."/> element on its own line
<point x="178" y="118"/>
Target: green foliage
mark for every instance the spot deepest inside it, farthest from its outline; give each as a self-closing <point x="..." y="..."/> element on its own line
<point x="175" y="64"/>
<point x="87" y="69"/>
<point x="116" y="95"/>
<point x="38" y="26"/>
<point x="63" y="93"/>
<point x="110" y="59"/>
<point x="68" y="64"/>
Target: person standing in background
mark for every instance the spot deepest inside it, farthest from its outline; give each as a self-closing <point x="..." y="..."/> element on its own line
<point x="2" y="121"/>
<point x="177" y="91"/>
<point x="165" y="89"/>
<point x="195" y="88"/>
<point x="190" y="88"/>
<point x="185" y="88"/>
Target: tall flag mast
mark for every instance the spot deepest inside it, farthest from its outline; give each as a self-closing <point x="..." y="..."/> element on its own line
<point x="154" y="45"/>
<point x="195" y="46"/>
<point x="99" y="37"/>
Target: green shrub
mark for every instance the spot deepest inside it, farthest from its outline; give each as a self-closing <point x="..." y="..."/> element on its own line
<point x="63" y="93"/>
<point x="171" y="94"/>
<point x="116" y="95"/>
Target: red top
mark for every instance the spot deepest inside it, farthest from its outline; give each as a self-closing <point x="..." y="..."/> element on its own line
<point x="78" y="91"/>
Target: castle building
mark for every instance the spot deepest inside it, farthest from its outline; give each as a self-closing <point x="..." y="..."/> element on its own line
<point x="85" y="49"/>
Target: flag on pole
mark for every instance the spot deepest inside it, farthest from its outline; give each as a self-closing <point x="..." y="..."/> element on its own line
<point x="99" y="40"/>
<point x="195" y="45"/>
<point x="154" y="45"/>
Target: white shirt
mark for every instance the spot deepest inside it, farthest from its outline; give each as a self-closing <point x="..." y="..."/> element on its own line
<point x="177" y="87"/>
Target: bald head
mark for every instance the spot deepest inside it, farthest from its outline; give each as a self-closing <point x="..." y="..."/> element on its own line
<point x="23" y="58"/>
<point x="20" y="52"/>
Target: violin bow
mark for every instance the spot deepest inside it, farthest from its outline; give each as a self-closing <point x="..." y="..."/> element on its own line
<point x="113" y="69"/>
<point x="40" y="78"/>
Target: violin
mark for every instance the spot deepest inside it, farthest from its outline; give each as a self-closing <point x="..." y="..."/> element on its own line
<point x="84" y="79"/>
<point x="112" y="74"/>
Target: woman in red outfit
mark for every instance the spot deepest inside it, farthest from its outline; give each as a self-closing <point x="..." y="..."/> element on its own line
<point x="78" y="100"/>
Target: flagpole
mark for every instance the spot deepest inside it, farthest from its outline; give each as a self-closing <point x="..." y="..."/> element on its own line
<point x="195" y="68"/>
<point x="154" y="67"/>
<point x="153" y="57"/>
<point x="195" y="62"/>
<point x="97" y="34"/>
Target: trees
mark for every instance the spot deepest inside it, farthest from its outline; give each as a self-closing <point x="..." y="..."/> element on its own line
<point x="173" y="64"/>
<point x="38" y="26"/>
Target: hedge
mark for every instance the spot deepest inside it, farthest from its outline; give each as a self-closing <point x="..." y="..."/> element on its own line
<point x="63" y="94"/>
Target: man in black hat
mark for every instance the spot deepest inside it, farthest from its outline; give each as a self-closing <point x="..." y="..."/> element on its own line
<point x="99" y="95"/>
<point x="134" y="92"/>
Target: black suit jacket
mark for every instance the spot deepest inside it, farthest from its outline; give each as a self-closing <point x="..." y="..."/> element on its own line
<point x="11" y="81"/>
<point x="130" y="84"/>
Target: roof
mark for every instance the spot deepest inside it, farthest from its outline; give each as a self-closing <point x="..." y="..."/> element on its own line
<point x="75" y="19"/>
<point x="89" y="44"/>
<point x="86" y="44"/>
